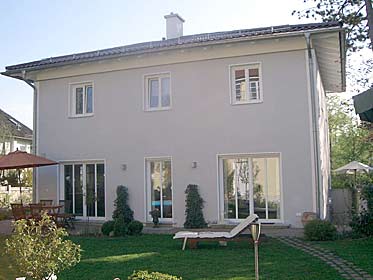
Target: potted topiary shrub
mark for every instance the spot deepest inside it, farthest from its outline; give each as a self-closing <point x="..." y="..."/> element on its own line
<point x="193" y="208"/>
<point x="39" y="249"/>
<point x="156" y="214"/>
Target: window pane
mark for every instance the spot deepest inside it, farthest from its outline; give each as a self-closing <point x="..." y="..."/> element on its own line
<point x="259" y="174"/>
<point x="254" y="84"/>
<point x="89" y="99"/>
<point x="68" y="173"/>
<point x="79" y="100"/>
<point x="153" y="93"/>
<point x="100" y="169"/>
<point x="167" y="189"/>
<point x="229" y="191"/>
<point x="155" y="184"/>
<point x="240" y="85"/>
<point x="165" y="86"/>
<point x="242" y="180"/>
<point x="78" y="177"/>
<point x="90" y="191"/>
<point x="273" y="177"/>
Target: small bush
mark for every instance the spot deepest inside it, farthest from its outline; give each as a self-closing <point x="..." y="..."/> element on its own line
<point x="135" y="228"/>
<point x="194" y="208"/>
<point x="120" y="227"/>
<point x="107" y="227"/>
<point x="144" y="275"/>
<point x="122" y="207"/>
<point x="318" y="230"/>
<point x="363" y="224"/>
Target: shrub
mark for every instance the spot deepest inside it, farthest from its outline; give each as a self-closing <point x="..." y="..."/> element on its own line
<point x="318" y="230"/>
<point x="121" y="205"/>
<point x="107" y="227"/>
<point x="193" y="209"/>
<point x="144" y="275"/>
<point x="363" y="223"/>
<point x="135" y="228"/>
<point x="39" y="248"/>
<point x="120" y="227"/>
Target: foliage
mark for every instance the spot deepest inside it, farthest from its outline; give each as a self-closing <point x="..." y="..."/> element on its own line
<point x="39" y="248"/>
<point x="122" y="209"/>
<point x="144" y="275"/>
<point x="135" y="228"/>
<point x="120" y="227"/>
<point x="362" y="223"/>
<point x="5" y="136"/>
<point x="156" y="214"/>
<point x="318" y="230"/>
<point x="193" y="209"/>
<point x="352" y="13"/>
<point x="349" y="142"/>
<point x="107" y="227"/>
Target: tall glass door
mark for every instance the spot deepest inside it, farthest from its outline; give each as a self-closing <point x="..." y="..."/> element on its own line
<point x="159" y="180"/>
<point x="84" y="189"/>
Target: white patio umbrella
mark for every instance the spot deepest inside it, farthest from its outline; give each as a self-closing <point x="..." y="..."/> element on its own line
<point x="354" y="167"/>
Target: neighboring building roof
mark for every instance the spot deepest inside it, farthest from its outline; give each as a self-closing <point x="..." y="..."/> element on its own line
<point x="17" y="129"/>
<point x="363" y="104"/>
<point x="166" y="44"/>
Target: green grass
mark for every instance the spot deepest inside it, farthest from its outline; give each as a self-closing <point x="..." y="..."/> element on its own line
<point x="106" y="258"/>
<point x="357" y="251"/>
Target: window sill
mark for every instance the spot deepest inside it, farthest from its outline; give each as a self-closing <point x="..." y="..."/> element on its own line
<point x="247" y="102"/>
<point x="81" y="116"/>
<point x="157" y="109"/>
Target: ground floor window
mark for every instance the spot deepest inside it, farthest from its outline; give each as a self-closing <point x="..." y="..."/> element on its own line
<point x="84" y="189"/>
<point x="250" y="184"/>
<point x="159" y="186"/>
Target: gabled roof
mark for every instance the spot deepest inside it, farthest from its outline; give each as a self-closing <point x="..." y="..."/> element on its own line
<point x="17" y="129"/>
<point x="165" y="44"/>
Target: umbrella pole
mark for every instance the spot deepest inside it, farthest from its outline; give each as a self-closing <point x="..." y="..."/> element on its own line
<point x="19" y="184"/>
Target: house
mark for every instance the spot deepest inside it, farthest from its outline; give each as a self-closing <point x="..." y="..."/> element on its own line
<point x="240" y="113"/>
<point x="363" y="104"/>
<point x="13" y="135"/>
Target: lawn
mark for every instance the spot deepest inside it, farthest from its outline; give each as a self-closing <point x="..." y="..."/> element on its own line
<point x="358" y="251"/>
<point x="106" y="258"/>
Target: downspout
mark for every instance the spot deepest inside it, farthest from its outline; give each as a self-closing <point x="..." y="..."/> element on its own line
<point x="315" y="137"/>
<point x="34" y="129"/>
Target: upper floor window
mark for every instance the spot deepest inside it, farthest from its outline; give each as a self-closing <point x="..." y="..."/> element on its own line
<point x="81" y="100"/>
<point x="246" y="84"/>
<point x="157" y="92"/>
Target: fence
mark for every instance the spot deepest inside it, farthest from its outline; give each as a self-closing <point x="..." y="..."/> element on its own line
<point x="9" y="194"/>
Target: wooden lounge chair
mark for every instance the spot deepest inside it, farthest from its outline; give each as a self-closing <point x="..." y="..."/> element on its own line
<point x="194" y="237"/>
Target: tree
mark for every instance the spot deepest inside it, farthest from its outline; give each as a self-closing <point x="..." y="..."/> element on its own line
<point x="349" y="140"/>
<point x="356" y="15"/>
<point x="193" y="209"/>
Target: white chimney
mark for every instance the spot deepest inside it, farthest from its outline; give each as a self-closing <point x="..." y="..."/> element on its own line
<point x="174" y="26"/>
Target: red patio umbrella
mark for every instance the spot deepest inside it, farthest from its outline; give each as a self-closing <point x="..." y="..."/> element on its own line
<point x="19" y="160"/>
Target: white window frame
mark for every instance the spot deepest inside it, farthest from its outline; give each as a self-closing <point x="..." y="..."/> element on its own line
<point x="148" y="194"/>
<point x="146" y="94"/>
<point x="220" y="174"/>
<point x="232" y="86"/>
<point x="61" y="192"/>
<point x="72" y="99"/>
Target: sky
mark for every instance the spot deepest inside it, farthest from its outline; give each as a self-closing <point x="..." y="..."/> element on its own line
<point x="37" y="29"/>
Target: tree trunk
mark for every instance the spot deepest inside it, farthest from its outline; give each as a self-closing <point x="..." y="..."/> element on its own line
<point x="369" y="9"/>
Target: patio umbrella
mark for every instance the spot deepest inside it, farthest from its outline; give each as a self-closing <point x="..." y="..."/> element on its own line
<point x="19" y="160"/>
<point x="354" y="167"/>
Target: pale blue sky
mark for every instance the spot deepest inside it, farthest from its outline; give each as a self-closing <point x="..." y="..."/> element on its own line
<point x="32" y="30"/>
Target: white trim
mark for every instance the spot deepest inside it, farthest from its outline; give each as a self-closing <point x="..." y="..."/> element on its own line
<point x="221" y="156"/>
<point x="147" y="207"/>
<point x="251" y="65"/>
<point x="71" y="101"/>
<point x="145" y="87"/>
